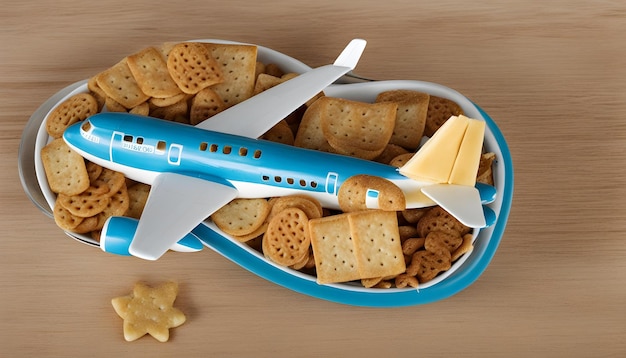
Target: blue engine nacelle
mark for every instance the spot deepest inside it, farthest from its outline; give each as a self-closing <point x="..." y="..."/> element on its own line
<point x="118" y="233"/>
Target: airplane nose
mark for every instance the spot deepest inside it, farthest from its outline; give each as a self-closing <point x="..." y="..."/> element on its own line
<point x="72" y="133"/>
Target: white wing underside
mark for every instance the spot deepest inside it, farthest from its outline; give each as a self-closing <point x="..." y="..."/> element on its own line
<point x="176" y="204"/>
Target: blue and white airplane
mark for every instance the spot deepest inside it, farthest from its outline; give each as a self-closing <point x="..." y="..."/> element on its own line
<point x="194" y="171"/>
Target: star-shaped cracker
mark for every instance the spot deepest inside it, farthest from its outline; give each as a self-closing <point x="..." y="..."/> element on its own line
<point x="149" y="310"/>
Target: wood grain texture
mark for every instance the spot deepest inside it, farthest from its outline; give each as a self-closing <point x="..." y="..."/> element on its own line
<point x="552" y="74"/>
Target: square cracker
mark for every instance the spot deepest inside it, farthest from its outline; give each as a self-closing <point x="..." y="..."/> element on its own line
<point x="439" y="111"/>
<point x="238" y="66"/>
<point x="119" y="84"/>
<point x="410" y="116"/>
<point x="310" y="134"/>
<point x="150" y="71"/>
<point x="333" y="249"/>
<point x="377" y="243"/>
<point x="65" y="169"/>
<point x="357" y="125"/>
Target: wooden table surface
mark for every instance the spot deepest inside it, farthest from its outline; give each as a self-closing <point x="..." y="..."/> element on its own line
<point x="552" y="74"/>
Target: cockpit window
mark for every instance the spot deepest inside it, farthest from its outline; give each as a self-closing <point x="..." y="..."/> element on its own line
<point x="86" y="126"/>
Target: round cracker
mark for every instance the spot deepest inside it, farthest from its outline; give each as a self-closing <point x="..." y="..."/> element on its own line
<point x="352" y="195"/>
<point x="241" y="216"/>
<point x="286" y="240"/>
<point x="311" y="207"/>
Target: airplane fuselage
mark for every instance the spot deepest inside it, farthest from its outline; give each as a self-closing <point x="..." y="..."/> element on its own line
<point x="143" y="147"/>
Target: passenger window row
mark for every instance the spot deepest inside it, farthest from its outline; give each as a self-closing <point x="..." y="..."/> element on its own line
<point x="290" y="181"/>
<point x="227" y="149"/>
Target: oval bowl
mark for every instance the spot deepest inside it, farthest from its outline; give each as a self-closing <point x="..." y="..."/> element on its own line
<point x="463" y="272"/>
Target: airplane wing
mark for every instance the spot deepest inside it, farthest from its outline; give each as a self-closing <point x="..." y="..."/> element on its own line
<point x="177" y="203"/>
<point x="256" y="115"/>
<point x="462" y="201"/>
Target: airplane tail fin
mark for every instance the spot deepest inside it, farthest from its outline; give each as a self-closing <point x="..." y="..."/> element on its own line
<point x="450" y="160"/>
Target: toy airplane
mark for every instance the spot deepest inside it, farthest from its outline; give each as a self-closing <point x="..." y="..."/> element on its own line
<point x="194" y="171"/>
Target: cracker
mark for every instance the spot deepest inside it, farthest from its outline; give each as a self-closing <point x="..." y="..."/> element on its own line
<point x="311" y="207"/>
<point x="93" y="170"/>
<point x="404" y="280"/>
<point x="108" y="182"/>
<point x="439" y="240"/>
<point x="401" y="159"/>
<point x="410" y="246"/>
<point x="241" y="216"/>
<point x="192" y="67"/>
<point x="287" y="239"/>
<point x="439" y="110"/>
<point x="142" y="109"/>
<point x="64" y="219"/>
<point x="356" y="193"/>
<point x="85" y="204"/>
<point x="389" y="153"/>
<point x="119" y="84"/>
<point x="265" y="81"/>
<point x="238" y="65"/>
<point x="280" y="133"/>
<point x="437" y="219"/>
<point x="426" y="265"/>
<point x="137" y="196"/>
<point x="371" y="282"/>
<point x="333" y="249"/>
<point x="149" y="310"/>
<point x="114" y="106"/>
<point x="87" y="225"/>
<point x="177" y="112"/>
<point x="410" y="116"/>
<point x="205" y="104"/>
<point x="74" y="109"/>
<point x="273" y="69"/>
<point x="354" y="151"/>
<point x="118" y="205"/>
<point x="65" y="169"/>
<point x="253" y="235"/>
<point x="168" y="101"/>
<point x="150" y="71"/>
<point x="260" y="68"/>
<point x="485" y="171"/>
<point x="377" y="243"/>
<point x="349" y="125"/>
<point x="310" y="134"/>
<point x="96" y="92"/>
<point x="465" y="247"/>
<point x="406" y="231"/>
<point x="414" y="215"/>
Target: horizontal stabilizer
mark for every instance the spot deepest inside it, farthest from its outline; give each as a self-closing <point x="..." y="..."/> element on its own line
<point x="461" y="201"/>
